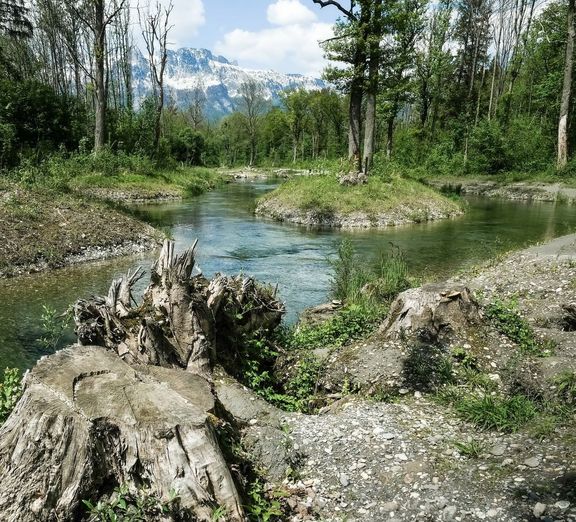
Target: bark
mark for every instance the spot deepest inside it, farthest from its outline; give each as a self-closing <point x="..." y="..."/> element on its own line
<point x="100" y="75"/>
<point x="134" y="403"/>
<point x="566" y="99"/>
<point x="372" y="87"/>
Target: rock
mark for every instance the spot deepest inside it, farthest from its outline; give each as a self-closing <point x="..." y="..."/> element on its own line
<point x="562" y="504"/>
<point x="532" y="462"/>
<point x="388" y="507"/>
<point x="353" y="178"/>
<point x="539" y="509"/>
<point x="449" y="512"/>
<point x="344" y="480"/>
<point x="432" y="311"/>
<point x="498" y="450"/>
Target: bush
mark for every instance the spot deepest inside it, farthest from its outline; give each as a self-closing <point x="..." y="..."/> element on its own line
<point x="487" y="151"/>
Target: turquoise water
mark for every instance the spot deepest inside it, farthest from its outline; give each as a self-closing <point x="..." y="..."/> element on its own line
<point x="231" y="240"/>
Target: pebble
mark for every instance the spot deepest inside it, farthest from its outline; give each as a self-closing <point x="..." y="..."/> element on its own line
<point x="498" y="450"/>
<point x="389" y="506"/>
<point x="562" y="504"/>
<point x="532" y="462"/>
<point x="344" y="480"/>
<point x="539" y="509"/>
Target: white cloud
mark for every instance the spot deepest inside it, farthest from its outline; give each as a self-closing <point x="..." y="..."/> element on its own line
<point x="289" y="12"/>
<point x="186" y="18"/>
<point x="291" y="47"/>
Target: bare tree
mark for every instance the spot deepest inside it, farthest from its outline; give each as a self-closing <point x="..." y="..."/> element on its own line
<point x="197" y="105"/>
<point x="155" y="25"/>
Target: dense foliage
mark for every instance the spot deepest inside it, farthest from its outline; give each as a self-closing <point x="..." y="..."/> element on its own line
<point x="460" y="90"/>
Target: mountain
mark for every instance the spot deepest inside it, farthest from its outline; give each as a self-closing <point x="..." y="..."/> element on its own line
<point x="190" y="69"/>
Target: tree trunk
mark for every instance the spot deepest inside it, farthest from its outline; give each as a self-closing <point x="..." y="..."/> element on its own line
<point x="100" y="75"/>
<point x="390" y="136"/>
<point x="372" y="87"/>
<point x="566" y="99"/>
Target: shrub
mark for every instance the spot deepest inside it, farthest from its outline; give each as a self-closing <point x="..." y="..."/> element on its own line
<point x="486" y="148"/>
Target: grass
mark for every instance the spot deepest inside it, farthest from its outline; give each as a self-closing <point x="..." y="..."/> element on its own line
<point x="182" y="182"/>
<point x="403" y="200"/>
<point x="507" y="320"/>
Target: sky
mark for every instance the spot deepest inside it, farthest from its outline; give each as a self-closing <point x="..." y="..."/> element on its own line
<point x="281" y="35"/>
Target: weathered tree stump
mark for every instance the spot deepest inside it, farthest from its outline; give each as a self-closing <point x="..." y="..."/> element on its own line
<point x="134" y="402"/>
<point x="432" y="311"/>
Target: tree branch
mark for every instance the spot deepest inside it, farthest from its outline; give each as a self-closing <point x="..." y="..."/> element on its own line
<point x="324" y="3"/>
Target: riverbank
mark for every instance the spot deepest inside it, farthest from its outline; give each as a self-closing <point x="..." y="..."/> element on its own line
<point x="44" y="229"/>
<point x="514" y="190"/>
<point x="322" y="201"/>
<point x="477" y="428"/>
<point x="157" y="186"/>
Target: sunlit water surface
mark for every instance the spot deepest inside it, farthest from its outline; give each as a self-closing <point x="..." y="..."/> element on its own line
<point x="232" y="240"/>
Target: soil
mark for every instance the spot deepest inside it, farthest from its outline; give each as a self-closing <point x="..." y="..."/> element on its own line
<point x="42" y="229"/>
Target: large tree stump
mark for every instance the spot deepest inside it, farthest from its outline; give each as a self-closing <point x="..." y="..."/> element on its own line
<point x="88" y="422"/>
<point x="134" y="402"/>
<point x="432" y="311"/>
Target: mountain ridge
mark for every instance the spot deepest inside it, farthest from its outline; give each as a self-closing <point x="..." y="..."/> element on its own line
<point x="190" y="71"/>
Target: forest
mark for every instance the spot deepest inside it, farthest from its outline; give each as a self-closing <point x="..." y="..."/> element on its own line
<point x="469" y="87"/>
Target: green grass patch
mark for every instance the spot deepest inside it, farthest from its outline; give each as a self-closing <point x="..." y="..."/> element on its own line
<point x="507" y="320"/>
<point x="406" y="199"/>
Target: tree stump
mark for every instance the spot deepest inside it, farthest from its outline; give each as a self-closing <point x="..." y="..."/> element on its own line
<point x="432" y="312"/>
<point x="134" y="402"/>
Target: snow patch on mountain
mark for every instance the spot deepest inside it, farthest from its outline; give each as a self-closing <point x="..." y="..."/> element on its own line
<point x="189" y="70"/>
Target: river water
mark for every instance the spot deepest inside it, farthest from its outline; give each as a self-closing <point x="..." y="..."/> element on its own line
<point x="231" y="240"/>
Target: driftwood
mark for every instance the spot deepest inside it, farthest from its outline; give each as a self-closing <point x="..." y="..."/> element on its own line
<point x="134" y="402"/>
<point x="432" y="312"/>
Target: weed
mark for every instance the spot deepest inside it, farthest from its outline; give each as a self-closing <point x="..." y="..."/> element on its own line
<point x="218" y="514"/>
<point x="508" y="321"/>
<point x="471" y="448"/>
<point x="127" y="506"/>
<point x="262" y="508"/>
<point x="10" y="392"/>
<point x="426" y="367"/>
<point x="352" y="322"/>
<point x="54" y="326"/>
<point x="496" y="412"/>
<point x="566" y="388"/>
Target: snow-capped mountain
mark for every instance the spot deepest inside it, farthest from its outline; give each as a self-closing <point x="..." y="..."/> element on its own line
<point x="188" y="70"/>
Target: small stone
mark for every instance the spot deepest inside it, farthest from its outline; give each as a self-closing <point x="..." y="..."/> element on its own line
<point x="417" y="395"/>
<point x="403" y="391"/>
<point x="449" y="512"/>
<point x="498" y="450"/>
<point x="389" y="506"/>
<point x="539" y="509"/>
<point x="532" y="462"/>
<point x="492" y="513"/>
<point x="562" y="504"/>
<point x="344" y="480"/>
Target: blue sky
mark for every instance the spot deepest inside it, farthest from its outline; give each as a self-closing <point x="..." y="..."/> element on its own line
<point x="260" y="34"/>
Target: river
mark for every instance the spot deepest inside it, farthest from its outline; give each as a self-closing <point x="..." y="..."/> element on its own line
<point x="232" y="239"/>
